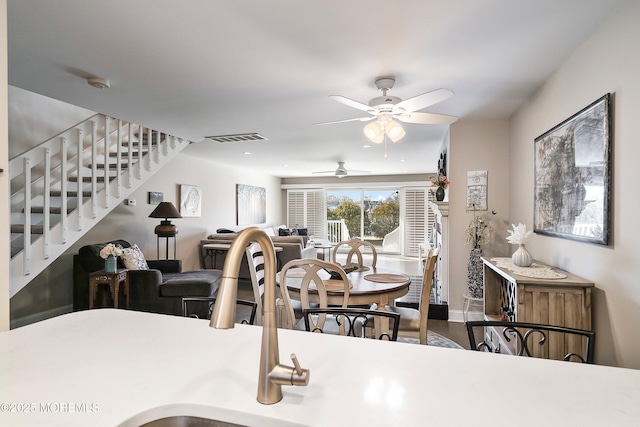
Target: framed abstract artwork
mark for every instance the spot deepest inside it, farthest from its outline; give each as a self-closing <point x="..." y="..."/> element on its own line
<point x="573" y="176"/>
<point x="190" y="201"/>
<point x="251" y="205"/>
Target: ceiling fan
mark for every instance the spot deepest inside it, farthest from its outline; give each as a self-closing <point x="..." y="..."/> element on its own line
<point x="384" y="109"/>
<point x="341" y="171"/>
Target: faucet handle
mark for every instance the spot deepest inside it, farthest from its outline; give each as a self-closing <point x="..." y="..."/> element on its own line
<point x="296" y="364"/>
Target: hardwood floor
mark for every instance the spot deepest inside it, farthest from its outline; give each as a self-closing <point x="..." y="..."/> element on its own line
<point x="455" y="331"/>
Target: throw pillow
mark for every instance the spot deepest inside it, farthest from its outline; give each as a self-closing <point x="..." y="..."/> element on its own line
<point x="134" y="259"/>
<point x="284" y="232"/>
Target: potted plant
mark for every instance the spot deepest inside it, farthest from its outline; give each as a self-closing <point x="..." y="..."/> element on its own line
<point x="519" y="236"/>
<point x="109" y="253"/>
<point x="442" y="183"/>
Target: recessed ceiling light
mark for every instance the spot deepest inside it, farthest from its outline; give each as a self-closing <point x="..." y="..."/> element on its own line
<point x="247" y="152"/>
<point x="402" y="160"/>
<point x="99" y="82"/>
<point x="366" y="146"/>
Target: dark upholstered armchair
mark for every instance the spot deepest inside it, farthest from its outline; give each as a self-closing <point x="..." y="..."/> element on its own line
<point x="159" y="289"/>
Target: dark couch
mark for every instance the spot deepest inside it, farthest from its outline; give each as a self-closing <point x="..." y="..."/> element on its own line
<point x="159" y="289"/>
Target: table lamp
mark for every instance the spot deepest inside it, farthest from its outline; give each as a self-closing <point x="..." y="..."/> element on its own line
<point x="165" y="210"/>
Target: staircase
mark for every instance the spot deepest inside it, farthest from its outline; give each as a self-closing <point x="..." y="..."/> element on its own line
<point x="66" y="185"/>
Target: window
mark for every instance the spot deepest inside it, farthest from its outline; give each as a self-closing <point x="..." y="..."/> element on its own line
<point x="394" y="220"/>
<point x="372" y="215"/>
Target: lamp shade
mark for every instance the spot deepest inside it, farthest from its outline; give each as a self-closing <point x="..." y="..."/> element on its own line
<point x="165" y="210"/>
<point x="395" y="132"/>
<point x="374" y="132"/>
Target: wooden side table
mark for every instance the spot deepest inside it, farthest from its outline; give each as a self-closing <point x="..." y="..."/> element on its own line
<point x="113" y="280"/>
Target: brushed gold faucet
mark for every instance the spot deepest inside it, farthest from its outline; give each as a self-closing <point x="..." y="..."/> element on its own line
<point x="272" y="375"/>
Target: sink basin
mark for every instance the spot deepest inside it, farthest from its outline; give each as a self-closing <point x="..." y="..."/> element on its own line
<point x="195" y="415"/>
<point x="188" y="421"/>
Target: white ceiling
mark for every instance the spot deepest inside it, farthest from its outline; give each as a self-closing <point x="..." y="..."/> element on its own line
<point x="195" y="68"/>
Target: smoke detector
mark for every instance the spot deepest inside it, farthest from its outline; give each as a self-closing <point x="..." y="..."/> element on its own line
<point x="99" y="82"/>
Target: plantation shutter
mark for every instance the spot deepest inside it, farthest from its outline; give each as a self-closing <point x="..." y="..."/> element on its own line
<point x="417" y="219"/>
<point x="295" y="208"/>
<point x="306" y="208"/>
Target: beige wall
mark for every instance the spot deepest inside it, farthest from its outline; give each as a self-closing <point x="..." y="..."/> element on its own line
<point x="4" y="176"/>
<point x="607" y="62"/>
<point x="474" y="146"/>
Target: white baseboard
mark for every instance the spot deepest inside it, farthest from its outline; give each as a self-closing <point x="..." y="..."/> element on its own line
<point x="457" y="316"/>
<point x="43" y="315"/>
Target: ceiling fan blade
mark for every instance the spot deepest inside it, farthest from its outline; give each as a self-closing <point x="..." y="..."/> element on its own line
<point x="427" y="118"/>
<point x="333" y="171"/>
<point x="354" y="104"/>
<point x="419" y="102"/>
<point x="358" y="171"/>
<point x="362" y="119"/>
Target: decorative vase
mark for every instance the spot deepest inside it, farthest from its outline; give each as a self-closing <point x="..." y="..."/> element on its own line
<point x="521" y="257"/>
<point x="110" y="264"/>
<point x="474" y="273"/>
<point x="440" y="194"/>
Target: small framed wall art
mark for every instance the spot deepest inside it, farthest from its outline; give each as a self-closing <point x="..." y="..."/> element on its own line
<point x="155" y="197"/>
<point x="190" y="201"/>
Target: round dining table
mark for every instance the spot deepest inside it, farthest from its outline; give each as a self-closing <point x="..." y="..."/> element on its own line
<point x="369" y="285"/>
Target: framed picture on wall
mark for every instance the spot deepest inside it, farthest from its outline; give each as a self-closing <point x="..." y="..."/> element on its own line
<point x="251" y="204"/>
<point x="190" y="201"/>
<point x="573" y="176"/>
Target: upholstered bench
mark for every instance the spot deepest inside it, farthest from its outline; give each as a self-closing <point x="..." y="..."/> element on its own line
<point x="158" y="289"/>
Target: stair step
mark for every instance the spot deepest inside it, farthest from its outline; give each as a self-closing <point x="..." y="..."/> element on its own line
<point x="112" y="166"/>
<point x="19" y="228"/>
<point x="127" y="154"/>
<point x="56" y="210"/>
<point x="135" y="143"/>
<point x="58" y="193"/>
<point x="88" y="178"/>
<point x="154" y="135"/>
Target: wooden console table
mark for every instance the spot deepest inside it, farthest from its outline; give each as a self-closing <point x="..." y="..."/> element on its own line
<point x="113" y="280"/>
<point x="509" y="296"/>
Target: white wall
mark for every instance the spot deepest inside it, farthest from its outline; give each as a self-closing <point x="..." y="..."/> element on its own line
<point x="476" y="145"/>
<point x="27" y="129"/>
<point x="607" y="62"/>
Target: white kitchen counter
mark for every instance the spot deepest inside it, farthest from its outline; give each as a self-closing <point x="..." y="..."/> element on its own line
<point x="111" y="367"/>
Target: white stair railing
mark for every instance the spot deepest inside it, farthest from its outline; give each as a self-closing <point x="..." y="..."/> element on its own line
<point x="64" y="186"/>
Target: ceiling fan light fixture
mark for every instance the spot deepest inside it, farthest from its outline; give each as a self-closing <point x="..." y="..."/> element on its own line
<point x="99" y="82"/>
<point x="395" y="132"/>
<point x="374" y="132"/>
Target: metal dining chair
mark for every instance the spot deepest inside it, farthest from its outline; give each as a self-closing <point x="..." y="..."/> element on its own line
<point x="313" y="275"/>
<point x="533" y="340"/>
<point x="356" y="247"/>
<point x="354" y="322"/>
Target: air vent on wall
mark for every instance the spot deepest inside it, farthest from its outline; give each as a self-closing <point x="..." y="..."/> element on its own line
<point x="240" y="137"/>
